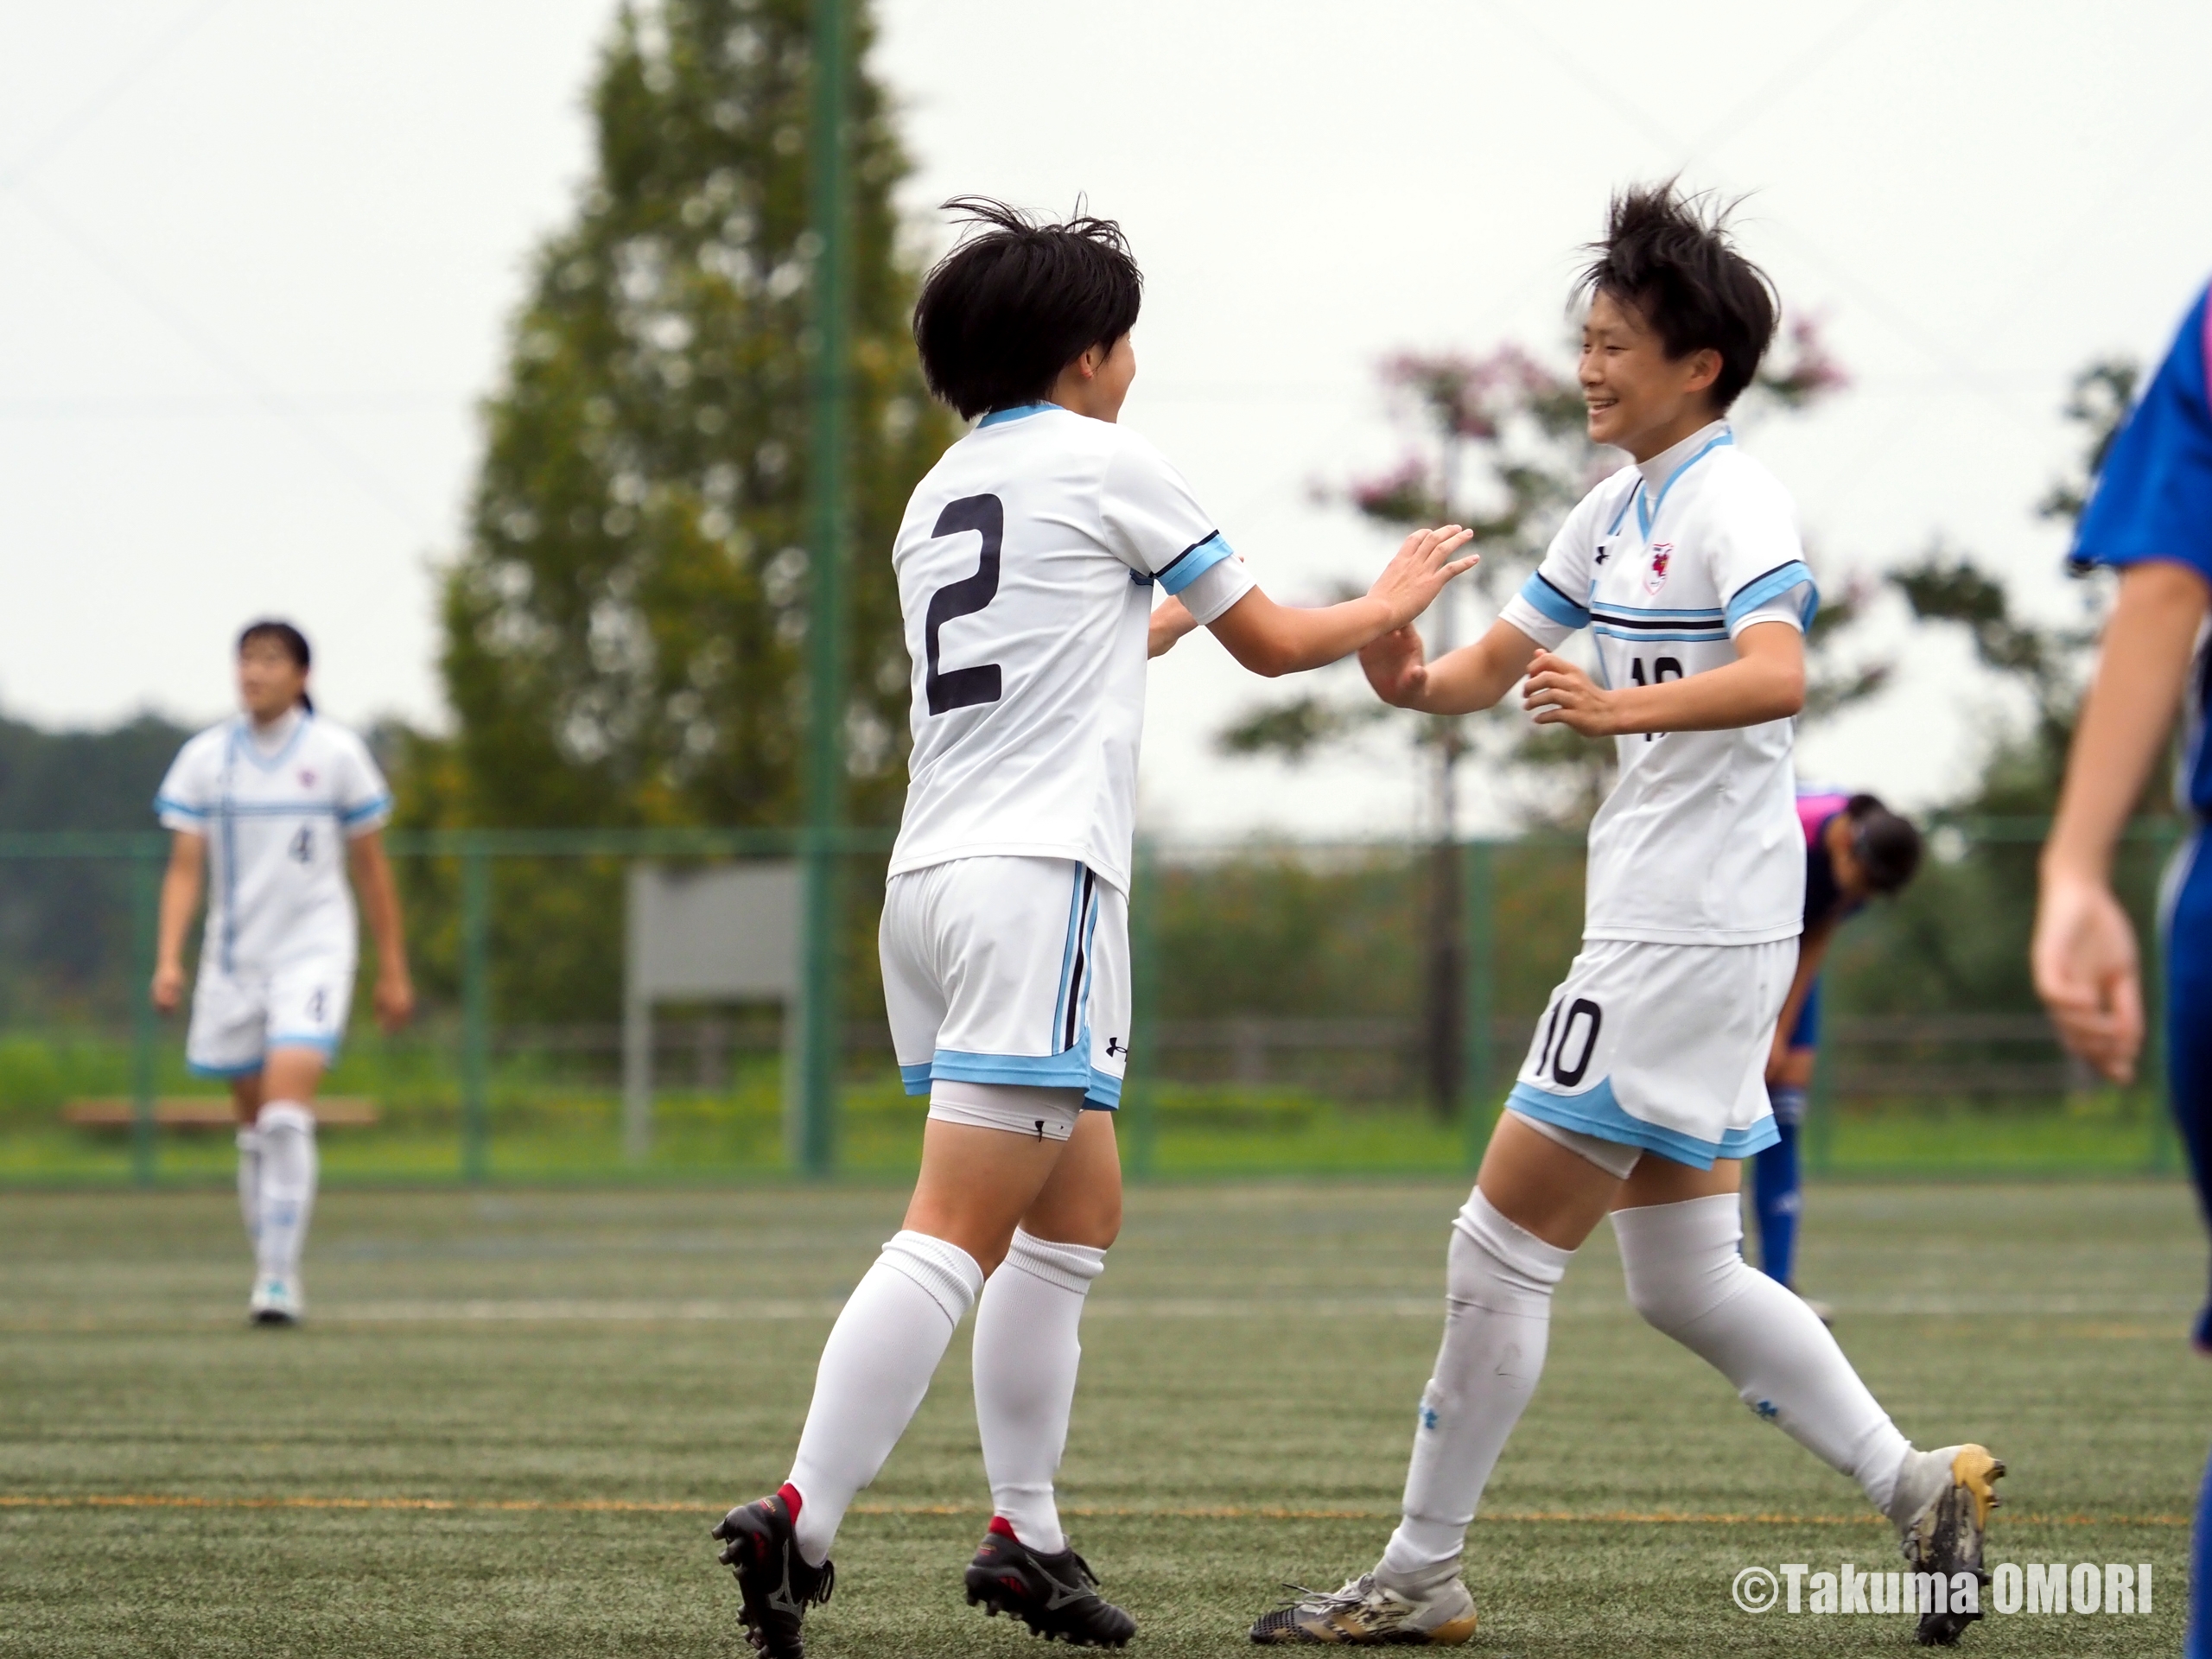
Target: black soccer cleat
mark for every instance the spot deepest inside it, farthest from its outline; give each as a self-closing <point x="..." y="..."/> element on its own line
<point x="1056" y="1596"/>
<point x="1955" y="1490"/>
<point x="773" y="1577"/>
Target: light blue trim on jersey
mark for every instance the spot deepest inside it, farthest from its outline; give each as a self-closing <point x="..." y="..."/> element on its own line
<point x="1193" y="562"/>
<point x="915" y="1079"/>
<point x="1646" y="517"/>
<point x="1069" y="1069"/>
<point x="1554" y="604"/>
<point x="1595" y="1112"/>
<point x="1102" y="1093"/>
<point x="1712" y="614"/>
<point x="1634" y="635"/>
<point x="252" y="750"/>
<point x="1627" y="501"/>
<point x="1777" y="581"/>
<point x="163" y="803"/>
<point x="368" y="809"/>
<point x="282" y="810"/>
<point x="1019" y="411"/>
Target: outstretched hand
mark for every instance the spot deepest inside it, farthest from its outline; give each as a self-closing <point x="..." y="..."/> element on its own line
<point x="1559" y="693"/>
<point x="2086" y="970"/>
<point x="1418" y="570"/>
<point x="1396" y="665"/>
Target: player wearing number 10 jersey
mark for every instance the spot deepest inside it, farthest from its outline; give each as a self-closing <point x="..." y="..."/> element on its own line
<point x="1644" y="1083"/>
<point x="1029" y="562"/>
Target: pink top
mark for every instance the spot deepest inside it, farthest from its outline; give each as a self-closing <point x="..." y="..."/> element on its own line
<point x="1814" y="811"/>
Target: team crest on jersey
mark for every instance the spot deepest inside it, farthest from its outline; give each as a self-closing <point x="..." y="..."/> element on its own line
<point x="1662" y="555"/>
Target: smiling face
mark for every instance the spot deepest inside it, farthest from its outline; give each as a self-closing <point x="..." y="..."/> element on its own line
<point x="1640" y="399"/>
<point x="269" y="681"/>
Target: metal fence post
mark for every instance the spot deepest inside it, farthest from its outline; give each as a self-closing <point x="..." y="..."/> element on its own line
<point x="1479" y="951"/>
<point x="829" y="465"/>
<point x="475" y="1006"/>
<point x="1137" y="1108"/>
<point x="145" y="901"/>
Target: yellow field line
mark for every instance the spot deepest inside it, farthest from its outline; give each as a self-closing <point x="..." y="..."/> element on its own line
<point x="1203" y="1512"/>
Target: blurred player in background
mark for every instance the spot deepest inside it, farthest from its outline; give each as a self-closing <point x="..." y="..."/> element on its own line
<point x="1028" y="562"/>
<point x="1644" y="1085"/>
<point x="2151" y="520"/>
<point x="275" y="806"/>
<point x="1854" y="847"/>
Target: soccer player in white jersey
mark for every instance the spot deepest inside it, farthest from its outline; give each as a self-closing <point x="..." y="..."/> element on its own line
<point x="268" y="812"/>
<point x="1027" y="561"/>
<point x="1643" y="1089"/>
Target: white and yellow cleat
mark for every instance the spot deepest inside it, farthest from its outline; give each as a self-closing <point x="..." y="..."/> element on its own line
<point x="1940" y="1509"/>
<point x="1365" y="1614"/>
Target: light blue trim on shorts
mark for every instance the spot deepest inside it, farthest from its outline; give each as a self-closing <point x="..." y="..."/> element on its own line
<point x="245" y="1071"/>
<point x="1102" y="1093"/>
<point x="302" y="1039"/>
<point x="1069" y="1069"/>
<point x="1595" y="1112"/>
<point x="915" y="1078"/>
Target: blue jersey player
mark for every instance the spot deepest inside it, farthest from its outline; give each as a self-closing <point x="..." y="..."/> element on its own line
<point x="2151" y="520"/>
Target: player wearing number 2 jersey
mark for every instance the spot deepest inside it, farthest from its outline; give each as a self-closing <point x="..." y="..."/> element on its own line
<point x="268" y="812"/>
<point x="1644" y="1083"/>
<point x="1029" y="562"/>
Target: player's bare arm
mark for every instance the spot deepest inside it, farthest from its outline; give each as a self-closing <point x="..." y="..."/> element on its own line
<point x="1766" y="682"/>
<point x="181" y="887"/>
<point x="1276" y="639"/>
<point x="1171" y="621"/>
<point x="2084" y="956"/>
<point x="1812" y="951"/>
<point x="394" y="991"/>
<point x="1458" y="683"/>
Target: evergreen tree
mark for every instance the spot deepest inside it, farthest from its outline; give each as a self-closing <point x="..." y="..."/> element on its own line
<point x="624" y="632"/>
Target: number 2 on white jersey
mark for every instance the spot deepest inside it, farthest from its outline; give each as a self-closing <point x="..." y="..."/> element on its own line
<point x="963" y="688"/>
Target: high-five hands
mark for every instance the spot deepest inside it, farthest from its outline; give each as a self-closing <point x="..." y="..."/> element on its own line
<point x="1558" y="692"/>
<point x="1396" y="666"/>
<point x="1418" y="570"/>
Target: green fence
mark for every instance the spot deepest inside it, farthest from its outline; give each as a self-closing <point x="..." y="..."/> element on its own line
<point x="1288" y="1019"/>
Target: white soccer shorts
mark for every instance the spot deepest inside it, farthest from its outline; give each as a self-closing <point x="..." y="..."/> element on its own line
<point x="1008" y="970"/>
<point x="236" y="1018"/>
<point x="1660" y="1047"/>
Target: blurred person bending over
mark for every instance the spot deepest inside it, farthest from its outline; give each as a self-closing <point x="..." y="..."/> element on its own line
<point x="1028" y="562"/>
<point x="1643" y="1088"/>
<point x="1855" y="848"/>
<point x="275" y="806"/>
<point x="2151" y="520"/>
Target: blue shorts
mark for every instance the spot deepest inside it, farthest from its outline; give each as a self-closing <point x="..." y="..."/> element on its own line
<point x="1806" y="1033"/>
<point x="2188" y="927"/>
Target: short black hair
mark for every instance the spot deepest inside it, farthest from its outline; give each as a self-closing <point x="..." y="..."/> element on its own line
<point x="1886" y="846"/>
<point x="293" y="642"/>
<point x="1669" y="256"/>
<point x="1010" y="307"/>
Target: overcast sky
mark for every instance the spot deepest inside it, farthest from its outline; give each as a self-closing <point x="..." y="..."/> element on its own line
<point x="257" y="257"/>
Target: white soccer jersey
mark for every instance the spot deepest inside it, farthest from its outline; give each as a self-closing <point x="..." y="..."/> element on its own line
<point x="276" y="811"/>
<point x="1665" y="563"/>
<point x="1026" y="562"/>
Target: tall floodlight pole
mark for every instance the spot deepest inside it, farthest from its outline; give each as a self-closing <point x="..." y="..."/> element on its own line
<point x="825" y="627"/>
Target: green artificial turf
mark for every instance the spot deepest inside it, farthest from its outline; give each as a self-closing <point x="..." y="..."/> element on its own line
<point x="514" y="1415"/>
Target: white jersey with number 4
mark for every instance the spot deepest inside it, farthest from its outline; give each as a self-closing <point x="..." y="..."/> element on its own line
<point x="1026" y="562"/>
<point x="1665" y="562"/>
<point x="277" y="807"/>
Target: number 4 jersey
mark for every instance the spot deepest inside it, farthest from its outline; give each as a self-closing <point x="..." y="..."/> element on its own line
<point x="276" y="807"/>
<point x="1665" y="562"/>
<point x="1027" y="565"/>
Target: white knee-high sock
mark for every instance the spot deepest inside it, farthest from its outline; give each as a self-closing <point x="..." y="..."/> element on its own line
<point x="1687" y="1276"/>
<point x="288" y="1183"/>
<point x="250" y="1181"/>
<point x="1025" y="1358"/>
<point x="876" y="1368"/>
<point x="1497" y="1311"/>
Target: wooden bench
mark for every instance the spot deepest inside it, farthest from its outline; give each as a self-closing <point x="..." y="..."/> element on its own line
<point x="207" y="1112"/>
